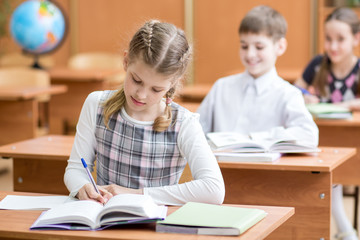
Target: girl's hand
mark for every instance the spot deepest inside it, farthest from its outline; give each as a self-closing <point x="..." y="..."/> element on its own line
<point x="311" y="99"/>
<point x="87" y="192"/>
<point x="116" y="189"/>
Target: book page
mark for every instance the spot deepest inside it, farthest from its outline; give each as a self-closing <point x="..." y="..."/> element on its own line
<point x="129" y="206"/>
<point x="17" y="202"/>
<point x="233" y="141"/>
<point x="82" y="212"/>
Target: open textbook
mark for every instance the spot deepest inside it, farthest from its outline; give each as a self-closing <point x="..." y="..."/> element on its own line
<point x="247" y="157"/>
<point x="329" y="111"/>
<point x="91" y="215"/>
<point x="237" y="142"/>
<point x="210" y="219"/>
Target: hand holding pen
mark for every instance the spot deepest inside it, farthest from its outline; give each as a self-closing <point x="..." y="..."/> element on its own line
<point x="309" y="96"/>
<point x="88" y="191"/>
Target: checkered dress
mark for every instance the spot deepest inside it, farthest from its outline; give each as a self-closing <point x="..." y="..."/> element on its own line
<point x="338" y="90"/>
<point x="135" y="156"/>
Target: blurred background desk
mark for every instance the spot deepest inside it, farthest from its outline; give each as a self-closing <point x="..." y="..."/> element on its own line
<point x="20" y="111"/>
<point x="343" y="133"/>
<point x="301" y="181"/>
<point x="65" y="109"/>
<point x="39" y="164"/>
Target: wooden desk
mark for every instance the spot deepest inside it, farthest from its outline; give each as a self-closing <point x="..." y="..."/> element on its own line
<point x="20" y="111"/>
<point x="303" y="182"/>
<point x="39" y="164"/>
<point x="16" y="224"/>
<point x="65" y="109"/>
<point x="343" y="133"/>
<point x="297" y="181"/>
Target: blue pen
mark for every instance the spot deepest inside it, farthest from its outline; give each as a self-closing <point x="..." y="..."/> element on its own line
<point x="303" y="90"/>
<point x="90" y="176"/>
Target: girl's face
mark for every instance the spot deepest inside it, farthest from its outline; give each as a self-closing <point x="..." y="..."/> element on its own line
<point x="339" y="41"/>
<point x="144" y="88"/>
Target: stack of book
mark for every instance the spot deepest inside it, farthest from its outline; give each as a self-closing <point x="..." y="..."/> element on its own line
<point x="329" y="111"/>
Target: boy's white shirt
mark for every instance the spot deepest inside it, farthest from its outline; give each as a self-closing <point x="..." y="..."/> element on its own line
<point x="207" y="186"/>
<point x="240" y="103"/>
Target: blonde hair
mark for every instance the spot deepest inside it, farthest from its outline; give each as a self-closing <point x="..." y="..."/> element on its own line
<point x="266" y="20"/>
<point x="163" y="47"/>
<point x="345" y="15"/>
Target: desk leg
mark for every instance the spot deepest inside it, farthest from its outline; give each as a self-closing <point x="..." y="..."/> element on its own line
<point x="309" y="193"/>
<point x="41" y="176"/>
<point x="18" y="120"/>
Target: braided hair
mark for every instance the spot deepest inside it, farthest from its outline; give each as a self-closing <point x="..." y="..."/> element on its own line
<point x="163" y="47"/>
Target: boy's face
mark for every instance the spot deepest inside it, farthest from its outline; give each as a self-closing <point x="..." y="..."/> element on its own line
<point x="258" y="52"/>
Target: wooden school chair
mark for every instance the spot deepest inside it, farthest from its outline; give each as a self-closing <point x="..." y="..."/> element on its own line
<point x="18" y="59"/>
<point x="100" y="60"/>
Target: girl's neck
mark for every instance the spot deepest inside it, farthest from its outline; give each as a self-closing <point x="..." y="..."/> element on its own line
<point x="343" y="68"/>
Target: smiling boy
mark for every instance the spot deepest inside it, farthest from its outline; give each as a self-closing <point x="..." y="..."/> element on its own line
<point x="258" y="100"/>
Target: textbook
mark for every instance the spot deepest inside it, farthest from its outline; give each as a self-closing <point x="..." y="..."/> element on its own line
<point x="329" y="111"/>
<point x="247" y="157"/>
<point x="91" y="215"/>
<point x="210" y="219"/>
<point x="237" y="142"/>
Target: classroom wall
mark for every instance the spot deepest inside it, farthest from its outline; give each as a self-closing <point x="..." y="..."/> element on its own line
<point x="217" y="41"/>
<point x="97" y="25"/>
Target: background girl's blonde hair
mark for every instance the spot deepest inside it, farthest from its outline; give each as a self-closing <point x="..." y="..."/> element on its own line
<point x="163" y="47"/>
<point x="349" y="17"/>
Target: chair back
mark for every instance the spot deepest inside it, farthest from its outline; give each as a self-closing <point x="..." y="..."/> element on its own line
<point x="100" y="60"/>
<point x="25" y="77"/>
<point x="17" y="59"/>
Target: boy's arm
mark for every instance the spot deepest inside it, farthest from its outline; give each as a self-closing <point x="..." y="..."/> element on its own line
<point x="206" y="111"/>
<point x="296" y="121"/>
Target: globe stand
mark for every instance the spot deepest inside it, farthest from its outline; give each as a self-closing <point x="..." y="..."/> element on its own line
<point x="36" y="64"/>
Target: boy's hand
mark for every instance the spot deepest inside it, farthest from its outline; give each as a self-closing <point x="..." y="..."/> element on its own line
<point x="116" y="189"/>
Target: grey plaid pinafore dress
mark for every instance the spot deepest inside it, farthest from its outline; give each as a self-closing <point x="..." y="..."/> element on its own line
<point x="135" y="156"/>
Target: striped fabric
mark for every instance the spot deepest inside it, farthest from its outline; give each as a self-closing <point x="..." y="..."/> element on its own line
<point x="135" y="156"/>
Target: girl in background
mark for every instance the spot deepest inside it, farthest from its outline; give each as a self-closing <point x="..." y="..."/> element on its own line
<point x="334" y="78"/>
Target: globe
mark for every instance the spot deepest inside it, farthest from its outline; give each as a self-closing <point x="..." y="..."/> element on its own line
<point x="38" y="26"/>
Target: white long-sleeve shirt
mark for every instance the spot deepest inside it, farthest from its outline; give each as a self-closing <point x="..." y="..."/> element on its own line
<point x="207" y="186"/>
<point x="267" y="104"/>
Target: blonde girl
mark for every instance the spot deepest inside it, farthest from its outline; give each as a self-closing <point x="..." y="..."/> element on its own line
<point x="140" y="139"/>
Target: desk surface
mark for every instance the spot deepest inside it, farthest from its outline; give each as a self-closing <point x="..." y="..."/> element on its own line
<point x="352" y="122"/>
<point x="58" y="147"/>
<point x="21" y="93"/>
<point x="51" y="147"/>
<point x="82" y="75"/>
<point x="16" y="224"/>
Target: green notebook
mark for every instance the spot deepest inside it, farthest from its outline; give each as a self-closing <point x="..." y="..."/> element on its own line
<point x="328" y="110"/>
<point x="209" y="219"/>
